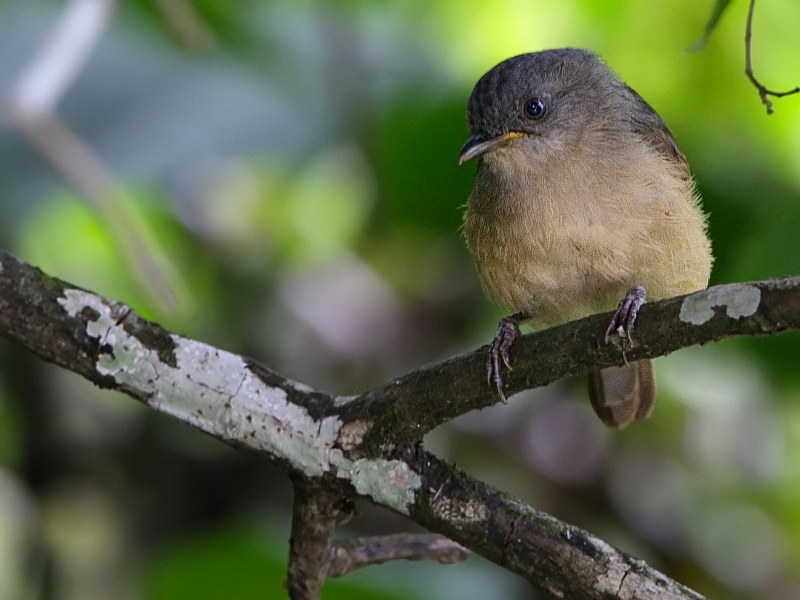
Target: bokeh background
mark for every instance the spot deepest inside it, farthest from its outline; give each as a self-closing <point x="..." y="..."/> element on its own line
<point x="287" y="173"/>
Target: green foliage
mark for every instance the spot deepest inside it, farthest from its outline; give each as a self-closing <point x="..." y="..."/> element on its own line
<point x="416" y="148"/>
<point x="65" y="236"/>
<point x="239" y="561"/>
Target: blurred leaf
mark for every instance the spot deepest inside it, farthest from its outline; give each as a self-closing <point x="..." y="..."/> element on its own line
<point x="212" y="20"/>
<point x="144" y="253"/>
<point x="713" y="21"/>
<point x="326" y="205"/>
<point x="303" y="217"/>
<point x="416" y="146"/>
<point x="418" y="262"/>
<point x="238" y="561"/>
<point x="68" y="239"/>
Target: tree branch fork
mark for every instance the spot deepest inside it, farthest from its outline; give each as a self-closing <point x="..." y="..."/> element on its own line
<point x="339" y="448"/>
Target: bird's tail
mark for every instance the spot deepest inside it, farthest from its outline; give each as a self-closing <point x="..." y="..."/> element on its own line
<point x="621" y="395"/>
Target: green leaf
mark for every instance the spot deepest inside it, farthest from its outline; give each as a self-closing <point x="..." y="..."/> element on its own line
<point x="713" y="21"/>
<point x="242" y="560"/>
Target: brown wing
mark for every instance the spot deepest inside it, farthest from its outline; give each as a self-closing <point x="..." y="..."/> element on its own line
<point x="647" y="123"/>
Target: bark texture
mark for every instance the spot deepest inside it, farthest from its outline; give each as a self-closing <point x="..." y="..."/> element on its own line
<point x="337" y="449"/>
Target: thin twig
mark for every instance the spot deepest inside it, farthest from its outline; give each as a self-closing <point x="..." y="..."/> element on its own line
<point x="42" y="85"/>
<point x="186" y="24"/>
<point x="348" y="555"/>
<point x="763" y="91"/>
<point x="30" y="106"/>
<point x="80" y="167"/>
<point x="313" y="557"/>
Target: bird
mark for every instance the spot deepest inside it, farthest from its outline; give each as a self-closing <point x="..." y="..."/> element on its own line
<point x="582" y="203"/>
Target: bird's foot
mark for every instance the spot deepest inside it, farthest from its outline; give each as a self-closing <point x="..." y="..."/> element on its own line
<point x="507" y="332"/>
<point x="625" y="317"/>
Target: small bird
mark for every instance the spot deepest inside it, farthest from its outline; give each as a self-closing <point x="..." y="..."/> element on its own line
<point x="582" y="198"/>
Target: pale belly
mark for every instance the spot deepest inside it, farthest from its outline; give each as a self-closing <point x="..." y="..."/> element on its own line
<point x="560" y="272"/>
<point x="551" y="286"/>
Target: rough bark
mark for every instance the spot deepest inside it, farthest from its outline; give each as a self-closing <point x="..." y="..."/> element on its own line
<point x="368" y="446"/>
<point x="316" y="507"/>
<point x="408" y="407"/>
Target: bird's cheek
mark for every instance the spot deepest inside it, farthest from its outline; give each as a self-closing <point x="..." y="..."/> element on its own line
<point x="513" y="160"/>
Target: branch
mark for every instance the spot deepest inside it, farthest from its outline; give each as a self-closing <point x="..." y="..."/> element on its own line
<point x="348" y="555"/>
<point x="318" y="436"/>
<point x="313" y="557"/>
<point x="316" y="507"/>
<point x="566" y="561"/>
<point x="763" y="92"/>
<point x="408" y="407"/>
<point x="186" y="24"/>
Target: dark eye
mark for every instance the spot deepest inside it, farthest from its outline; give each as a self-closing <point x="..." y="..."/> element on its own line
<point x="534" y="109"/>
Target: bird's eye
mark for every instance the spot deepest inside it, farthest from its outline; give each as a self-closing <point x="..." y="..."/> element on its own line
<point x="534" y="109"/>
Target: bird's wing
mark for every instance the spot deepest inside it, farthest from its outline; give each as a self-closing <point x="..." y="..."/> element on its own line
<point x="648" y="124"/>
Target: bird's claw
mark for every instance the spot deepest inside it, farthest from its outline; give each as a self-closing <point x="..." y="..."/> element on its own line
<point x="625" y="317"/>
<point x="507" y="332"/>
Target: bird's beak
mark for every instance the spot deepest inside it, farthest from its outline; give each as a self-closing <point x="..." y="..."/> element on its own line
<point x="480" y="143"/>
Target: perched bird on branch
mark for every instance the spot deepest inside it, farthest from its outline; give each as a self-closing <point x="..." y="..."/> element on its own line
<point x="582" y="198"/>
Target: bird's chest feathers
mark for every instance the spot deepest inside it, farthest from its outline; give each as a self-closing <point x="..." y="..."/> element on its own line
<point x="545" y="239"/>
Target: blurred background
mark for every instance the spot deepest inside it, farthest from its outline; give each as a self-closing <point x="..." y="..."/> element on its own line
<point x="279" y="179"/>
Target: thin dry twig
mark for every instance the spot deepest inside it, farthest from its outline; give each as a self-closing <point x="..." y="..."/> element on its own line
<point x="348" y="555"/>
<point x="763" y="91"/>
<point x="30" y="106"/>
<point x="186" y="25"/>
<point x="313" y="557"/>
<point x="61" y="59"/>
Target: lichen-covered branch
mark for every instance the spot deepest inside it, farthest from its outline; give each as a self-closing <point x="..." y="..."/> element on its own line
<point x="367" y="446"/>
<point x="529" y="542"/>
